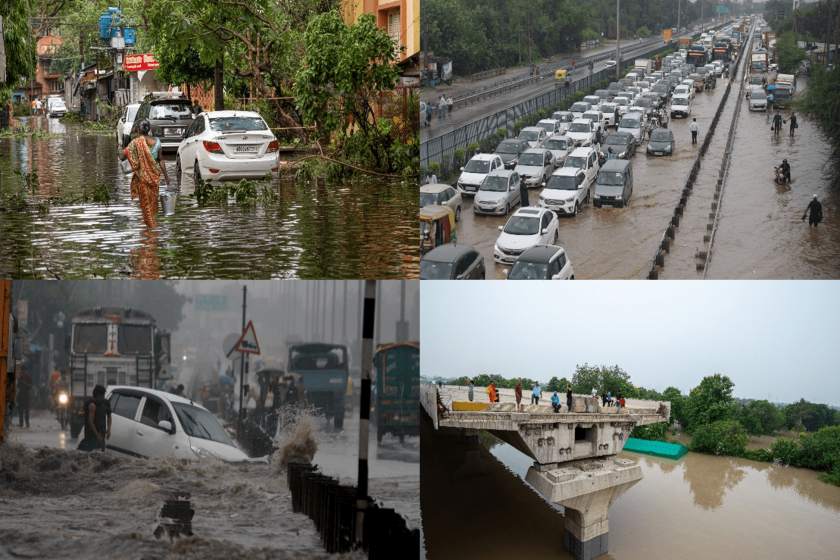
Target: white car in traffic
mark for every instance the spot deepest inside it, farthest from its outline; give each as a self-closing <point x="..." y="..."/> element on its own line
<point x="479" y="166"/>
<point x="582" y="131"/>
<point x="526" y="227"/>
<point x="228" y="146"/>
<point x="680" y="106"/>
<point x="148" y="423"/>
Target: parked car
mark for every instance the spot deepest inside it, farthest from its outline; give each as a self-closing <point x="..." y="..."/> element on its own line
<point x="535" y="166"/>
<point x="560" y="146"/>
<point x="473" y="174"/>
<point x="126" y="122"/>
<point x="680" y="106"/>
<point x="534" y="135"/>
<point x="661" y="142"/>
<point x="623" y="145"/>
<point x="170" y="115"/>
<point x="452" y="261"/>
<point x="586" y="160"/>
<point x="510" y="150"/>
<point x="498" y="193"/>
<point x="542" y="262"/>
<point x="634" y="126"/>
<point x="56" y="108"/>
<point x="227" y="146"/>
<point x="582" y="131"/>
<point x="758" y="100"/>
<point x="526" y="227"/>
<point x="565" y="191"/>
<point x="444" y="195"/>
<point x="614" y="184"/>
<point x="149" y="423"/>
<point x="551" y="126"/>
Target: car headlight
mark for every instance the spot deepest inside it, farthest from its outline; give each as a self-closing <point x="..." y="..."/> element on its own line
<point x="202" y="453"/>
<point x="596" y="195"/>
<point x="571" y="198"/>
<point x="62" y="398"/>
<point x="497" y="248"/>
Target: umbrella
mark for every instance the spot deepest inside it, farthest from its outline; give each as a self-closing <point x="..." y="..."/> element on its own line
<point x="771" y="86"/>
<point x="225" y="379"/>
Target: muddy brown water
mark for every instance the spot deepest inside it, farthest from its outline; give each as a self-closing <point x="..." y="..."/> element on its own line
<point x="475" y="504"/>
<point x="363" y="229"/>
<point x="760" y="233"/>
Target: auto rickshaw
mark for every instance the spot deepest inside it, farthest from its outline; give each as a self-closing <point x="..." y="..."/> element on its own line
<point x="560" y="78"/>
<point x="437" y="226"/>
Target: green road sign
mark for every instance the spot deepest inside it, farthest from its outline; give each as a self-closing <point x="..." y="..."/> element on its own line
<point x="210" y="303"/>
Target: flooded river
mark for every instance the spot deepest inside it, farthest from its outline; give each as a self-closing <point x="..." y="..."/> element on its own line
<point x="363" y="229"/>
<point x="475" y="504"/>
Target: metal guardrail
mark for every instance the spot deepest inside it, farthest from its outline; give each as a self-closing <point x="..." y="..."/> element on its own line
<point x="487" y="74"/>
<point x="670" y="231"/>
<point x="333" y="509"/>
<point x="435" y="148"/>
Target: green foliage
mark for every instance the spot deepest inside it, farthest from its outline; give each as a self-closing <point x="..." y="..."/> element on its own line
<point x="652" y="432"/>
<point x="643" y="32"/>
<point x="556" y="384"/>
<point x="761" y="417"/>
<point x="611" y="378"/>
<point x="819" y="103"/>
<point x="821" y="450"/>
<point x="785" y="450"/>
<point x="19" y="44"/>
<point x="753" y="425"/>
<point x="457" y="159"/>
<point x="709" y="402"/>
<point x="70" y="118"/>
<point x="677" y="400"/>
<point x="181" y="65"/>
<point x="723" y="437"/>
<point x="760" y="455"/>
<point x="100" y="193"/>
<point x="65" y="58"/>
<point x="788" y="54"/>
<point x="809" y="416"/>
<point x="244" y="193"/>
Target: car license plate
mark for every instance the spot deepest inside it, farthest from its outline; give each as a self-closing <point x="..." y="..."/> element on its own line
<point x="658" y="153"/>
<point x="469" y="188"/>
<point x="247" y="149"/>
<point x="172" y="131"/>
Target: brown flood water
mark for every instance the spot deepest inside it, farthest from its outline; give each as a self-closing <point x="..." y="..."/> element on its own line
<point x="476" y="505"/>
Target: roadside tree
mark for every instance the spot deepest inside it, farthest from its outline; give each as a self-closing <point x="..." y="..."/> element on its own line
<point x="709" y="402"/>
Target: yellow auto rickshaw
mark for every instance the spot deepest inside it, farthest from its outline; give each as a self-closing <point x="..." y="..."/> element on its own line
<point x="560" y="78"/>
<point x="437" y="226"/>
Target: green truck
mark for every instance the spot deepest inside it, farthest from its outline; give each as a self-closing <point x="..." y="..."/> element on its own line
<point x="397" y="390"/>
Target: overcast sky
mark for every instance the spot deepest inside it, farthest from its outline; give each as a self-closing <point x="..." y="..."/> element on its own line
<point x="774" y="339"/>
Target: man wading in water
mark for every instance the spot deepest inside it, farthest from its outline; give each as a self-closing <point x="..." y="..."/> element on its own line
<point x="97" y="413"/>
<point x="144" y="155"/>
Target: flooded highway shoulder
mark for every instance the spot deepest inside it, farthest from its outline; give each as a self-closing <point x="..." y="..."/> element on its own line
<point x="475" y="503"/>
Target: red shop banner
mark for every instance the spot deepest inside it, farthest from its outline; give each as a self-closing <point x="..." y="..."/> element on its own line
<point x="140" y="62"/>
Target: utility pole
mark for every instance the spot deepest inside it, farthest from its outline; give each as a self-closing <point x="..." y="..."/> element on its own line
<point x="371" y="287"/>
<point x="242" y="370"/>
<point x="617" y="40"/>
<point x="679" y="8"/>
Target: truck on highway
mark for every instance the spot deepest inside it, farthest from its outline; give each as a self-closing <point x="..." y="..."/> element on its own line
<point x="397" y="389"/>
<point x="758" y="62"/>
<point x="645" y="65"/>
<point x="324" y="370"/>
<point x="685" y="42"/>
<point x="114" y="346"/>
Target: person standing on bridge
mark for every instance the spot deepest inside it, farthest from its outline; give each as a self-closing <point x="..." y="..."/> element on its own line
<point x="569" y="395"/>
<point x="518" y="393"/>
<point x="816" y="212"/>
<point x="491" y="392"/>
<point x="470" y="388"/>
<point x="428" y="114"/>
<point x="451" y="105"/>
<point x="604" y="398"/>
<point x="531" y="71"/>
<point x="693" y="128"/>
<point x="535" y="393"/>
<point x="619" y="399"/>
<point x="595" y="392"/>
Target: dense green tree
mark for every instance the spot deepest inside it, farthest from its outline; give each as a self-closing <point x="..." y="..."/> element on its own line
<point x="611" y="378"/>
<point x="721" y="437"/>
<point x="762" y="417"/>
<point x="20" y="46"/>
<point x="556" y="384"/>
<point x="709" y="402"/>
<point x="788" y="54"/>
<point x="652" y="432"/>
<point x="677" y="400"/>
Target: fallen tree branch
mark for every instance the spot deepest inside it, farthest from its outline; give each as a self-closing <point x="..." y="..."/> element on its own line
<point x="322" y="156"/>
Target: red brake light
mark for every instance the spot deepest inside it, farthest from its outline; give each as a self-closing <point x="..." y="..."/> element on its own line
<point x="212" y="147"/>
<point x="273" y="146"/>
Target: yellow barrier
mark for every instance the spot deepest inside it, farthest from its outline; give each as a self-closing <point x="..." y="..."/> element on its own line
<point x="471" y="406"/>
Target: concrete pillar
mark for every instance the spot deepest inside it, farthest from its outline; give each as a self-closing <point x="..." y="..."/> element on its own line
<point x="586" y="489"/>
<point x="470" y="436"/>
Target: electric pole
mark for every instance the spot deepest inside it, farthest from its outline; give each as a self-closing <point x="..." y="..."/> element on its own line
<point x="617" y="40"/>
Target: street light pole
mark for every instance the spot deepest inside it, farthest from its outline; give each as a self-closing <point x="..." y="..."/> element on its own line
<point x="617" y="40"/>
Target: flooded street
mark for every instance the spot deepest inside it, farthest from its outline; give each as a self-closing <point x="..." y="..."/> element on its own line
<point x="476" y="505"/>
<point x="314" y="230"/>
<point x="69" y="504"/>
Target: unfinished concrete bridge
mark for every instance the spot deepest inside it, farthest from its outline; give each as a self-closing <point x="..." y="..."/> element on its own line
<point x="574" y="452"/>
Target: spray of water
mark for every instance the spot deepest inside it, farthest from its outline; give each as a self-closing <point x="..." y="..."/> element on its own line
<point x="298" y="438"/>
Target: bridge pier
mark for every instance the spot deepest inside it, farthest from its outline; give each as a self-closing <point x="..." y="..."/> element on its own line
<point x="586" y="489"/>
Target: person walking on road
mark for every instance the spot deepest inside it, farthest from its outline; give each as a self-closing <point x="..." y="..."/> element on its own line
<point x="144" y="155"/>
<point x="569" y="396"/>
<point x="693" y="128"/>
<point x="793" y="124"/>
<point x="523" y="194"/>
<point x="450" y="104"/>
<point x="24" y="386"/>
<point x="442" y="108"/>
<point x="598" y="140"/>
<point x="814" y="220"/>
<point x="38" y="106"/>
<point x="535" y="393"/>
<point x="778" y="121"/>
<point x="97" y="415"/>
<point x="428" y="114"/>
<point x="518" y="393"/>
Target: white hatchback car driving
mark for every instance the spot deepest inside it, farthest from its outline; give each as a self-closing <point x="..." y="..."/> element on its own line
<point x="527" y="227"/>
<point x="228" y="146"/>
<point x="148" y="423"/>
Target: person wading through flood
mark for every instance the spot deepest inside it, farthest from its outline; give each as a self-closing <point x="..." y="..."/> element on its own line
<point x="144" y="155"/>
<point x="816" y="214"/>
<point x="97" y="414"/>
<point x="518" y="392"/>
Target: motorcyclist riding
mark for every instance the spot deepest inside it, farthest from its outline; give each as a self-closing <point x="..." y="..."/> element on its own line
<point x="784" y="171"/>
<point x="611" y="154"/>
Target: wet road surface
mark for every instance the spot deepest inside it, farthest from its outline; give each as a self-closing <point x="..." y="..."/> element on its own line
<point x="364" y="229"/>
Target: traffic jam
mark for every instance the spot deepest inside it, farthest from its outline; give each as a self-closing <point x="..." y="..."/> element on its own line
<point x="513" y="205"/>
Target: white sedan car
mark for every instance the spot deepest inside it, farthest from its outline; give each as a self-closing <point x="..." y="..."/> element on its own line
<point x="228" y="146"/>
<point x="527" y="227"/>
<point x="148" y="423"/>
<point x="582" y="131"/>
<point x="125" y="123"/>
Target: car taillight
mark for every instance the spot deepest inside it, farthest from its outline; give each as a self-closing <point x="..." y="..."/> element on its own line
<point x="212" y="147"/>
<point x="273" y="146"/>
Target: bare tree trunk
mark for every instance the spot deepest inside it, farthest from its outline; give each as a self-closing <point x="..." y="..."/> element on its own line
<point x="218" y="88"/>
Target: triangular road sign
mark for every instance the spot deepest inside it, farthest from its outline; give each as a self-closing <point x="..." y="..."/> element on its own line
<point x="248" y="341"/>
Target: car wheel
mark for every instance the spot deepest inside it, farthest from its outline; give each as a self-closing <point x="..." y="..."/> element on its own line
<point x="577" y="209"/>
<point x="507" y="208"/>
<point x="573" y="277"/>
<point x="458" y="214"/>
<point x="178" y="168"/>
<point x="556" y="235"/>
<point x="196" y="174"/>
<point x="481" y="276"/>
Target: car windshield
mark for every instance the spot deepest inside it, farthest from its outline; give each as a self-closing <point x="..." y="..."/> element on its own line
<point x="579" y="162"/>
<point x="170" y="111"/>
<point x="661" y="87"/>
<point x="431" y="270"/>
<point x="621" y="101"/>
<point x="200" y="423"/>
<point x="562" y="182"/>
<point x="237" y="124"/>
<point x="132" y="112"/>
<point x="427" y="198"/>
<point x="565" y="117"/>
<point x="579" y="108"/>
<point x="679" y="101"/>
<point x="628" y="123"/>
<point x="506" y="148"/>
<point x="494" y="184"/>
<point x="535" y="160"/>
<point x="643" y="103"/>
<point x="591" y="117"/>
<point x="478" y="166"/>
<point x="558" y="144"/>
<point x="612" y="178"/>
<point x="660" y="135"/>
<point x="757" y="94"/>
<point x="549" y="127"/>
<point x="528" y="271"/>
<point x="530" y="135"/>
<point x="616" y="140"/>
<point x="580" y="127"/>
<point x="522" y="225"/>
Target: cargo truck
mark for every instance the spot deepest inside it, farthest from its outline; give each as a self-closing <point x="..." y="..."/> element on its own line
<point x="758" y="62"/>
<point x="397" y="390"/>
<point x="685" y="42"/>
<point x="645" y="65"/>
